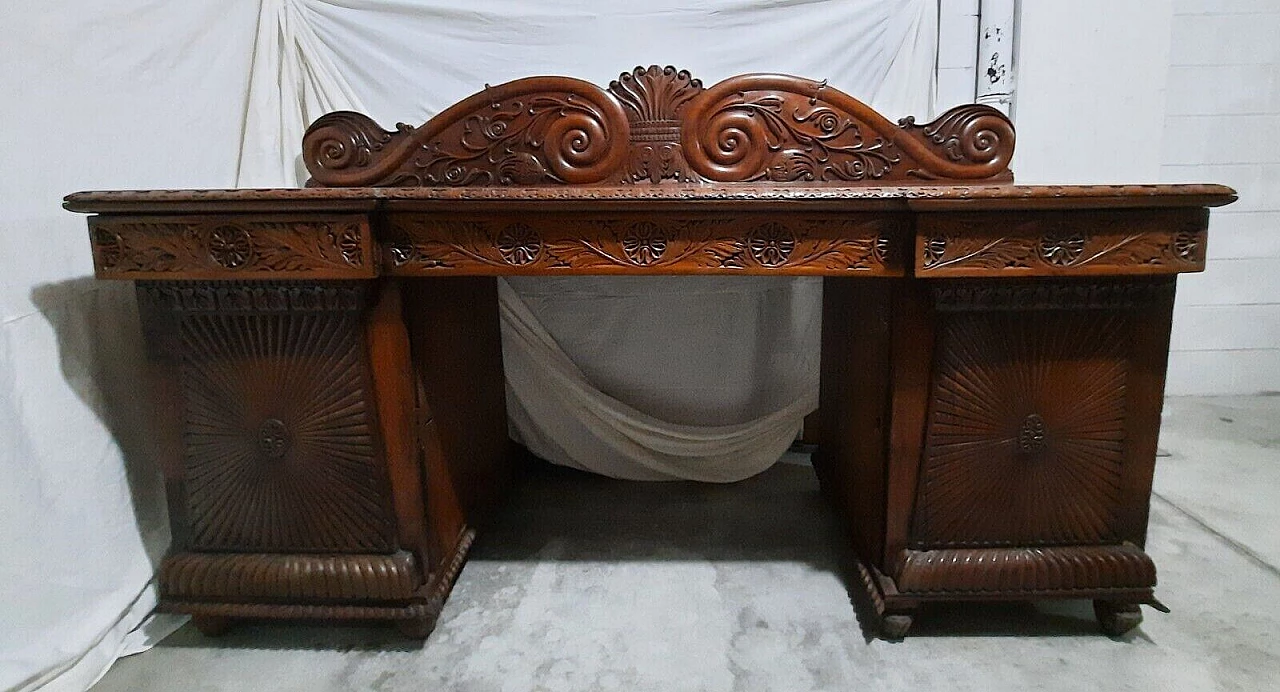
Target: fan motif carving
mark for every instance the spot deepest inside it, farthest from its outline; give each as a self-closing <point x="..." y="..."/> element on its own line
<point x="1025" y="439"/>
<point x="280" y="447"/>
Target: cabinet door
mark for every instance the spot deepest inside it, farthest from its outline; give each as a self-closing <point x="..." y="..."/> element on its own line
<point x="1030" y="436"/>
<point x="280" y="444"/>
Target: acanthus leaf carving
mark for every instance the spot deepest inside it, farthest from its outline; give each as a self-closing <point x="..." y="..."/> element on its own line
<point x="1169" y="241"/>
<point x="158" y="246"/>
<point x="692" y="244"/>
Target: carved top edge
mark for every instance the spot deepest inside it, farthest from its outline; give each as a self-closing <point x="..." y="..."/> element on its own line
<point x="923" y="198"/>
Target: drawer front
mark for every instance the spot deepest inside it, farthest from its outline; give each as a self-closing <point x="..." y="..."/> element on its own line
<point x="1026" y="433"/>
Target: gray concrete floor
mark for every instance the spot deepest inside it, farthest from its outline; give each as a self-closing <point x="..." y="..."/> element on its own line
<point x="592" y="584"/>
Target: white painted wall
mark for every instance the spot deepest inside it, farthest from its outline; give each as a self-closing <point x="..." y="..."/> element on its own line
<point x="1171" y="91"/>
<point x="1090" y="90"/>
<point x="957" y="53"/>
<point x="1222" y="124"/>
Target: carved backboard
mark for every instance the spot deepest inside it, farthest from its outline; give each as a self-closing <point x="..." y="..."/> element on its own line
<point x="656" y="125"/>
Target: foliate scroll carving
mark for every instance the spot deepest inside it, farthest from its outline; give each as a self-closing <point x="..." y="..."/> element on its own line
<point x="535" y="131"/>
<point x="1062" y="243"/>
<point x="229" y="246"/>
<point x="658" y="124"/>
<point x="837" y="244"/>
<point x="968" y="135"/>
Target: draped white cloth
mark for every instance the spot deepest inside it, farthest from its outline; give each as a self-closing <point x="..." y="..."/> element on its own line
<point x="690" y="378"/>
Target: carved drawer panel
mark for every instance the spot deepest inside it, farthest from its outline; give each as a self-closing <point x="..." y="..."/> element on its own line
<point x="230" y="246"/>
<point x="658" y="243"/>
<point x="1061" y="243"/>
<point x="280" y="445"/>
<point x="1025" y="439"/>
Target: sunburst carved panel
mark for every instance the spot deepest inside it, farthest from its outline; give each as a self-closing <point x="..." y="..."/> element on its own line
<point x="280" y="446"/>
<point x="1026" y="431"/>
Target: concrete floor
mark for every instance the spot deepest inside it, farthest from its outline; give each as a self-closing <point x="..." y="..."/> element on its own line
<point x="592" y="584"/>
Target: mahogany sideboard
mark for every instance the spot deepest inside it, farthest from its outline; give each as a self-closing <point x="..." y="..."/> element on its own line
<point x="330" y="366"/>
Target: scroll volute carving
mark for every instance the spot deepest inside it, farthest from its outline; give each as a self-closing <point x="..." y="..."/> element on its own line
<point x="787" y="129"/>
<point x="534" y="131"/>
<point x="660" y="125"/>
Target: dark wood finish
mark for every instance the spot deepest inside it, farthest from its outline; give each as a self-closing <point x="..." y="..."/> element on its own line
<point x="328" y="361"/>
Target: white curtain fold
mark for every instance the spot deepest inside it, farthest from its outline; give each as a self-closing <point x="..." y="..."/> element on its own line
<point x="560" y="415"/>
<point x="293" y="81"/>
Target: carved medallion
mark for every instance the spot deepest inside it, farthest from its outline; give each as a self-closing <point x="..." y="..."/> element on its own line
<point x="1031" y="437"/>
<point x="1062" y="249"/>
<point x="108" y="247"/>
<point x="230" y="246"/>
<point x="273" y="438"/>
<point x="1187" y="243"/>
<point x="934" y="248"/>
<point x="519" y="244"/>
<point x="771" y="244"/>
<point x="644" y="243"/>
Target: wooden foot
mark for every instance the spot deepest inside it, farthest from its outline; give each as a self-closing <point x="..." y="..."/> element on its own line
<point x="417" y="628"/>
<point x="895" y="625"/>
<point x="1117" y="618"/>
<point x="211" y="625"/>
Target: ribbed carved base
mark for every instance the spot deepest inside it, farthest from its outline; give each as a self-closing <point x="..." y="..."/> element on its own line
<point x="220" y="587"/>
<point x="1024" y="572"/>
<point x="1121" y="577"/>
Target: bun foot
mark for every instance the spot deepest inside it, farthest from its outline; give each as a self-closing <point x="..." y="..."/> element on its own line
<point x="211" y="625"/>
<point x="417" y="628"/>
<point x="1117" y="619"/>
<point x="895" y="625"/>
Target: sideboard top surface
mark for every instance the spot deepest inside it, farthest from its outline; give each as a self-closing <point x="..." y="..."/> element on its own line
<point x="904" y="198"/>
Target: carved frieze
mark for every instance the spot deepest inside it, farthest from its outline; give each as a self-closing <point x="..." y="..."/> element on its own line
<point x="1061" y="243"/>
<point x="217" y="246"/>
<point x="663" y="243"/>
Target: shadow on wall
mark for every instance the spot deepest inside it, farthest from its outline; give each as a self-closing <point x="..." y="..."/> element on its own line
<point x="102" y="358"/>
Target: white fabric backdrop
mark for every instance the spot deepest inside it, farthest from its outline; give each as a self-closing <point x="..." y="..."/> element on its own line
<point x="206" y="94"/>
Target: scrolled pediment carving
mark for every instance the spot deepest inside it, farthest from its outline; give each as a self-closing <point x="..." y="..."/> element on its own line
<point x="659" y="125"/>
